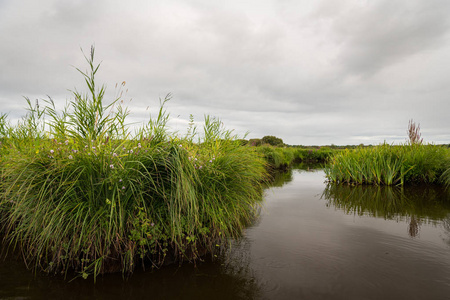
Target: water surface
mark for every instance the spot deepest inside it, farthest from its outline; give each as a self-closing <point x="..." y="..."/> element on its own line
<point x="311" y="241"/>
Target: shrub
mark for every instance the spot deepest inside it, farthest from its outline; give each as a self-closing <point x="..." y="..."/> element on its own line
<point x="272" y="140"/>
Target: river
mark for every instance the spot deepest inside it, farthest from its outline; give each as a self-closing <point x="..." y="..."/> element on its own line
<point x="311" y="241"/>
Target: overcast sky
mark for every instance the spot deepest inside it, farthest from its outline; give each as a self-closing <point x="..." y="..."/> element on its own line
<point x="309" y="72"/>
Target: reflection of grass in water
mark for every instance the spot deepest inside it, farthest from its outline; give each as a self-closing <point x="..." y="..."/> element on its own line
<point x="280" y="178"/>
<point x="419" y="204"/>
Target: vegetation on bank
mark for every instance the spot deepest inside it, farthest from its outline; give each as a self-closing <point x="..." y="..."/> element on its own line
<point x="283" y="157"/>
<point x="80" y="192"/>
<point x="385" y="164"/>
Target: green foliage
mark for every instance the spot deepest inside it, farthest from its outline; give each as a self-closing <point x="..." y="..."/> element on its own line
<point x="255" y="142"/>
<point x="87" y="197"/>
<point x="386" y="164"/>
<point x="313" y="155"/>
<point x="276" y="157"/>
<point x="272" y="140"/>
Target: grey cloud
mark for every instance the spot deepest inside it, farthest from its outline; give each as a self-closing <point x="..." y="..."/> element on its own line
<point x="378" y="34"/>
<point x="341" y="72"/>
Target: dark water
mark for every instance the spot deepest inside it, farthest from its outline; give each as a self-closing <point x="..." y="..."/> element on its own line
<point x="312" y="241"/>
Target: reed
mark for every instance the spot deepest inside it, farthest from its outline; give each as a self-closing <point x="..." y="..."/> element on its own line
<point x="277" y="157"/>
<point x="79" y="193"/>
<point x="389" y="165"/>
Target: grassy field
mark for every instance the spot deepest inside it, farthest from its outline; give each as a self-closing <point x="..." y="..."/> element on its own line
<point x="79" y="192"/>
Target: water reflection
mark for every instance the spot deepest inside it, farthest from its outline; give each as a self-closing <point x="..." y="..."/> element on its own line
<point x="278" y="179"/>
<point x="414" y="204"/>
<point x="229" y="276"/>
<point x="281" y="178"/>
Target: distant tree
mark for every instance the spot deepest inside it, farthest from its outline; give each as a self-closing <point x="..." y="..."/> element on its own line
<point x="254" y="142"/>
<point x="272" y="140"/>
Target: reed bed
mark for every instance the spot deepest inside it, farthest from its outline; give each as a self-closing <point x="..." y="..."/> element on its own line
<point x="80" y="192"/>
<point x="283" y="157"/>
<point x="389" y="165"/>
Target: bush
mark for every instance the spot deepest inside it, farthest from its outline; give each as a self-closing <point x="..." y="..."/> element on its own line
<point x="272" y="140"/>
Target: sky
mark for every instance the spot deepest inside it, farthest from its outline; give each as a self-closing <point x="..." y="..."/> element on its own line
<point x="310" y="72"/>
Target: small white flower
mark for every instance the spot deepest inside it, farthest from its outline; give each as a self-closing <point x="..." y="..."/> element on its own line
<point x="51" y="151"/>
<point x="111" y="166"/>
<point x="70" y="157"/>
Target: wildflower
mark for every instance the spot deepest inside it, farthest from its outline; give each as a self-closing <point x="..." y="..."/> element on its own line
<point x="111" y="166"/>
<point x="180" y="145"/>
<point x="131" y="151"/>
<point x="139" y="145"/>
<point x="200" y="167"/>
<point x="51" y="151"/>
<point x="70" y="157"/>
<point x="152" y="224"/>
<point x="114" y="154"/>
<point x="93" y="147"/>
<point x="66" y="142"/>
<point x="74" y="151"/>
<point x="120" y="180"/>
<point x="123" y="187"/>
<point x="210" y="161"/>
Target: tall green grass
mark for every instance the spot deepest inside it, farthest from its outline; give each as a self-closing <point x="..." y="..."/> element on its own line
<point x="283" y="157"/>
<point x="80" y="193"/>
<point x="389" y="165"/>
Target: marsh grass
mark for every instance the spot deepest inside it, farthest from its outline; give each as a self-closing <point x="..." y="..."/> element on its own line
<point x="79" y="193"/>
<point x="283" y="157"/>
<point x="389" y="165"/>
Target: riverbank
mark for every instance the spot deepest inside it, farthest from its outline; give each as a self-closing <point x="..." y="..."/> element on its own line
<point x="391" y="165"/>
<point x="80" y="193"/>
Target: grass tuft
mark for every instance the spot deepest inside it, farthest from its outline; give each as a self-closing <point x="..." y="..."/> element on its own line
<point x="79" y="193"/>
